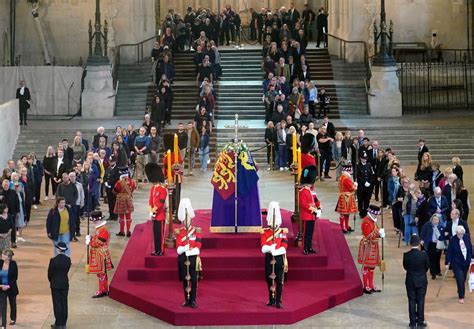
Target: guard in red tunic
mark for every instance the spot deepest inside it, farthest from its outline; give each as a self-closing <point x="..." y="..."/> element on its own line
<point x="168" y="143"/>
<point x="99" y="257"/>
<point x="157" y="203"/>
<point x="310" y="207"/>
<point x="124" y="189"/>
<point x="274" y="242"/>
<point x="346" y="204"/>
<point x="188" y="244"/>
<point x="369" y="253"/>
<point x="307" y="146"/>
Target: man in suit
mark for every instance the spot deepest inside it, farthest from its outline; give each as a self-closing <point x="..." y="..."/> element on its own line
<point x="453" y="224"/>
<point x="24" y="98"/>
<point x="422" y="149"/>
<point x="322" y="26"/>
<point x="438" y="204"/>
<point x="304" y="74"/>
<point x="60" y="166"/>
<point x="293" y="16"/>
<point x="416" y="263"/>
<point x="57" y="275"/>
<point x="282" y="69"/>
<point x="68" y="151"/>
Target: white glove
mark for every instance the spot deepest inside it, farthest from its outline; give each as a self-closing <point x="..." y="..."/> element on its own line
<point x="273" y="246"/>
<point x="356" y="184"/>
<point x="318" y="213"/>
<point x="186" y="247"/>
<point x="88" y="239"/>
<point x="266" y="249"/>
<point x="382" y="233"/>
<point x="367" y="184"/>
<point x="151" y="215"/>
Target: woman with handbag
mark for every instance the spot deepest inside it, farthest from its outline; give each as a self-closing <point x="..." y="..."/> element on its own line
<point x="432" y="240"/>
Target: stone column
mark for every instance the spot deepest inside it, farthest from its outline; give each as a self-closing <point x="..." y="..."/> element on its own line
<point x="97" y="102"/>
<point x="384" y="84"/>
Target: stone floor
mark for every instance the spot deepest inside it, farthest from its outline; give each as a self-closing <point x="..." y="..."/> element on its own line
<point x="385" y="310"/>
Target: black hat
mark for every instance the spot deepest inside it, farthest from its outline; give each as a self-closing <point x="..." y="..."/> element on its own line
<point x="96" y="215"/>
<point x="307" y="143"/>
<point x="308" y="175"/>
<point x="374" y="210"/>
<point x="347" y="167"/>
<point x="168" y="142"/>
<point x="124" y="171"/>
<point x="154" y="173"/>
<point x="364" y="155"/>
<point x="414" y="240"/>
<point x="61" y="246"/>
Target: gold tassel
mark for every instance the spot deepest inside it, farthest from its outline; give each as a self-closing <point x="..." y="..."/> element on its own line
<point x="198" y="264"/>
<point x="285" y="265"/>
<point x="87" y="268"/>
<point x="382" y="266"/>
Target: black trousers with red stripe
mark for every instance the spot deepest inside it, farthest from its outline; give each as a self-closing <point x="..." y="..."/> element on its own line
<point x="158" y="231"/>
<point x="308" y="234"/>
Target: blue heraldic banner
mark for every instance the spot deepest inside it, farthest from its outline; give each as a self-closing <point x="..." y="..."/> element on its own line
<point x="249" y="217"/>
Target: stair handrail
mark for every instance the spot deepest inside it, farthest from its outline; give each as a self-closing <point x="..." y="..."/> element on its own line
<point x="343" y="52"/>
<point x="139" y="50"/>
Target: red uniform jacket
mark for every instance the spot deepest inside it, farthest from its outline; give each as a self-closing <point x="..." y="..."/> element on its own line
<point x="346" y="204"/>
<point x="306" y="200"/>
<point x="369" y="254"/>
<point x="157" y="201"/>
<point x="99" y="260"/>
<point x="165" y="166"/>
<point x="281" y="239"/>
<point x="307" y="160"/>
<point x="194" y="237"/>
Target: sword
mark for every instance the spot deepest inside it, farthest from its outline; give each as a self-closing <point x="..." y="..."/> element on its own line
<point x="442" y="281"/>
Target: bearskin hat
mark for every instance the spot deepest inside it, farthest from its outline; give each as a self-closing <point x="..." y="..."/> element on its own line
<point x="307" y="143"/>
<point x="308" y="175"/>
<point x="154" y="173"/>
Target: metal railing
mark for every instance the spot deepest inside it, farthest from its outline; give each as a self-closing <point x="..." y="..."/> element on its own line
<point x="343" y="52"/>
<point x="418" y="52"/>
<point x="428" y="87"/>
<point x="133" y="53"/>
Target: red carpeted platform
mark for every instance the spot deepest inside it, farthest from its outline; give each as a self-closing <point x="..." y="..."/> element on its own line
<point x="234" y="291"/>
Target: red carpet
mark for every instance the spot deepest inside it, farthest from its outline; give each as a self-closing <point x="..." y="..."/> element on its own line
<point x="233" y="291"/>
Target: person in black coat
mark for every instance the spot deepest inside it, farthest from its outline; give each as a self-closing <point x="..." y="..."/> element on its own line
<point x="455" y="221"/>
<point x="416" y="263"/>
<point x="364" y="187"/>
<point x="112" y="176"/>
<point x="59" y="283"/>
<point x="432" y="237"/>
<point x="100" y="133"/>
<point x="11" y="287"/>
<point x="53" y="222"/>
<point x="24" y="98"/>
<point x="60" y="166"/>
<point x="271" y="141"/>
<point x="322" y="26"/>
<point x="422" y="149"/>
<point x="459" y="257"/>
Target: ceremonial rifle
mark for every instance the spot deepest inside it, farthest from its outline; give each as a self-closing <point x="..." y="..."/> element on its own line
<point x="187" y="262"/>
<point x="273" y="261"/>
<point x="382" y="263"/>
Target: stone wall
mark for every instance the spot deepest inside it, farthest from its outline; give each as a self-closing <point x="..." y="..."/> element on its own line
<point x="9" y="129"/>
<point x="414" y="21"/>
<point x="4" y="31"/>
<point x="65" y="26"/>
